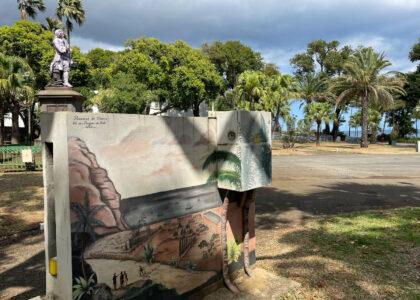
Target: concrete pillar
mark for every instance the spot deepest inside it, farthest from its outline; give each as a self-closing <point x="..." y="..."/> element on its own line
<point x="418" y="146"/>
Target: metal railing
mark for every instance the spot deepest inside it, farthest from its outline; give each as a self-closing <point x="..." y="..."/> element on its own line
<point x="11" y="158"/>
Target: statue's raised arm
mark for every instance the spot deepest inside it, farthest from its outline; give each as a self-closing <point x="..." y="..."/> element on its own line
<point x="60" y="66"/>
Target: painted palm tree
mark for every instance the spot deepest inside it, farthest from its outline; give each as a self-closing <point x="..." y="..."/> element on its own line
<point x="363" y="79"/>
<point x="233" y="177"/>
<point x="16" y="79"/>
<point x="71" y="10"/>
<point x="29" y="8"/>
<point x="319" y="112"/>
<point x="250" y="87"/>
<point x="85" y="225"/>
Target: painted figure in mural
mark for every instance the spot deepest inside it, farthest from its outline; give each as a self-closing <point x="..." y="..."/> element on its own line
<point x="114" y="281"/>
<point x="121" y="279"/>
<point x="60" y="66"/>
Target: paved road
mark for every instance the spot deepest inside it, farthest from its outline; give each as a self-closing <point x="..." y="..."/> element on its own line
<point x="328" y="184"/>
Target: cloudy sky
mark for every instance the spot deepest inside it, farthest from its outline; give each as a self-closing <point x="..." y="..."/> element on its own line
<point x="277" y="29"/>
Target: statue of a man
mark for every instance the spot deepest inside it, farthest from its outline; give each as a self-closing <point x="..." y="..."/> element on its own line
<point x="60" y="66"/>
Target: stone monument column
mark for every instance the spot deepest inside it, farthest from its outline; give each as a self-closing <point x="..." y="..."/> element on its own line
<point x="53" y="99"/>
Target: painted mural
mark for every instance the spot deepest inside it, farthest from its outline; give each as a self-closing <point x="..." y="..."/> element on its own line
<point x="147" y="211"/>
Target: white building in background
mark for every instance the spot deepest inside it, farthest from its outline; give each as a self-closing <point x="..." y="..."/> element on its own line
<point x="155" y="108"/>
<point x="8" y="121"/>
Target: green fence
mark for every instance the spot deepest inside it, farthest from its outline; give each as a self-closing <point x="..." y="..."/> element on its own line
<point x="11" y="158"/>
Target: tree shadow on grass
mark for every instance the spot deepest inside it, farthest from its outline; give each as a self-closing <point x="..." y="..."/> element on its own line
<point x="30" y="275"/>
<point x="353" y="249"/>
<point x="274" y="205"/>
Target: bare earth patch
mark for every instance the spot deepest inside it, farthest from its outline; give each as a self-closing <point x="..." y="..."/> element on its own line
<point x="21" y="202"/>
<point x="340" y="148"/>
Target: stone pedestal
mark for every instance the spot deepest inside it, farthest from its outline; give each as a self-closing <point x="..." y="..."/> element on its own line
<point x="54" y="99"/>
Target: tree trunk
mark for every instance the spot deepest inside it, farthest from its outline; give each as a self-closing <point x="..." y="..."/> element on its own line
<point x="327" y="127"/>
<point x="196" y="110"/>
<point x="225" y="263"/>
<point x="15" y="123"/>
<point x="1" y="125"/>
<point x="336" y="124"/>
<point x="30" y="125"/>
<point x="252" y="103"/>
<point x="318" y="131"/>
<point x="374" y="135"/>
<point x="365" y="142"/>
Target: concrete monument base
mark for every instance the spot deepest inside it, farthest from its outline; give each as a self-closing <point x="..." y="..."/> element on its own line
<point x="53" y="99"/>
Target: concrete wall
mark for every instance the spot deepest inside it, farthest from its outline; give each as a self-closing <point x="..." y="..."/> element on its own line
<point x="134" y="201"/>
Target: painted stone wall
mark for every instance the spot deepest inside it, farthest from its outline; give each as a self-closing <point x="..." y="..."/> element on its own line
<point x="145" y="198"/>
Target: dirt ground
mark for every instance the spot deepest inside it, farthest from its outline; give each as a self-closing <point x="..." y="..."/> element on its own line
<point x="307" y="198"/>
<point x="21" y="202"/>
<point x="341" y="148"/>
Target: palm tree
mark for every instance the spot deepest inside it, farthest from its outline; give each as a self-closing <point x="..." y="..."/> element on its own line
<point x="319" y="112"/>
<point x="251" y="86"/>
<point x="53" y="24"/>
<point x="362" y="79"/>
<point x="281" y="89"/>
<point x="28" y="8"/>
<point x="315" y="88"/>
<point x="16" y="78"/>
<point x="71" y="10"/>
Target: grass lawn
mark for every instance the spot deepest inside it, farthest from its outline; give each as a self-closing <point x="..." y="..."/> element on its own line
<point x="366" y="255"/>
<point x="21" y="201"/>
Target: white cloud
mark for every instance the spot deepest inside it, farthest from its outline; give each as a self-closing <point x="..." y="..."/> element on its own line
<point x="86" y="44"/>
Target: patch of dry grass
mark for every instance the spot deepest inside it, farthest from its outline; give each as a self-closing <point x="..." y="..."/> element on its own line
<point x="367" y="255"/>
<point x="340" y="147"/>
<point x="21" y="201"/>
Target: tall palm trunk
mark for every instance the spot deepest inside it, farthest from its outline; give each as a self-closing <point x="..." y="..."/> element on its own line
<point x="225" y="263"/>
<point x="30" y="124"/>
<point x="336" y="124"/>
<point x="15" y="123"/>
<point x="327" y="127"/>
<point x="318" y="131"/>
<point x="68" y="30"/>
<point x="365" y="142"/>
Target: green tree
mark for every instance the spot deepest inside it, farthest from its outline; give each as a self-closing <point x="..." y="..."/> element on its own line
<point x="28" y="8"/>
<point x="319" y="112"/>
<point x="325" y="59"/>
<point x="280" y="90"/>
<point x="30" y="41"/>
<point x="101" y="62"/>
<point x="374" y="117"/>
<point x="125" y="95"/>
<point x="16" y="88"/>
<point x="314" y="88"/>
<point x="232" y="58"/>
<point x="180" y="76"/>
<point x="362" y="79"/>
<point x="414" y="54"/>
<point x="251" y="87"/>
<point x="71" y="10"/>
<point x="53" y="24"/>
